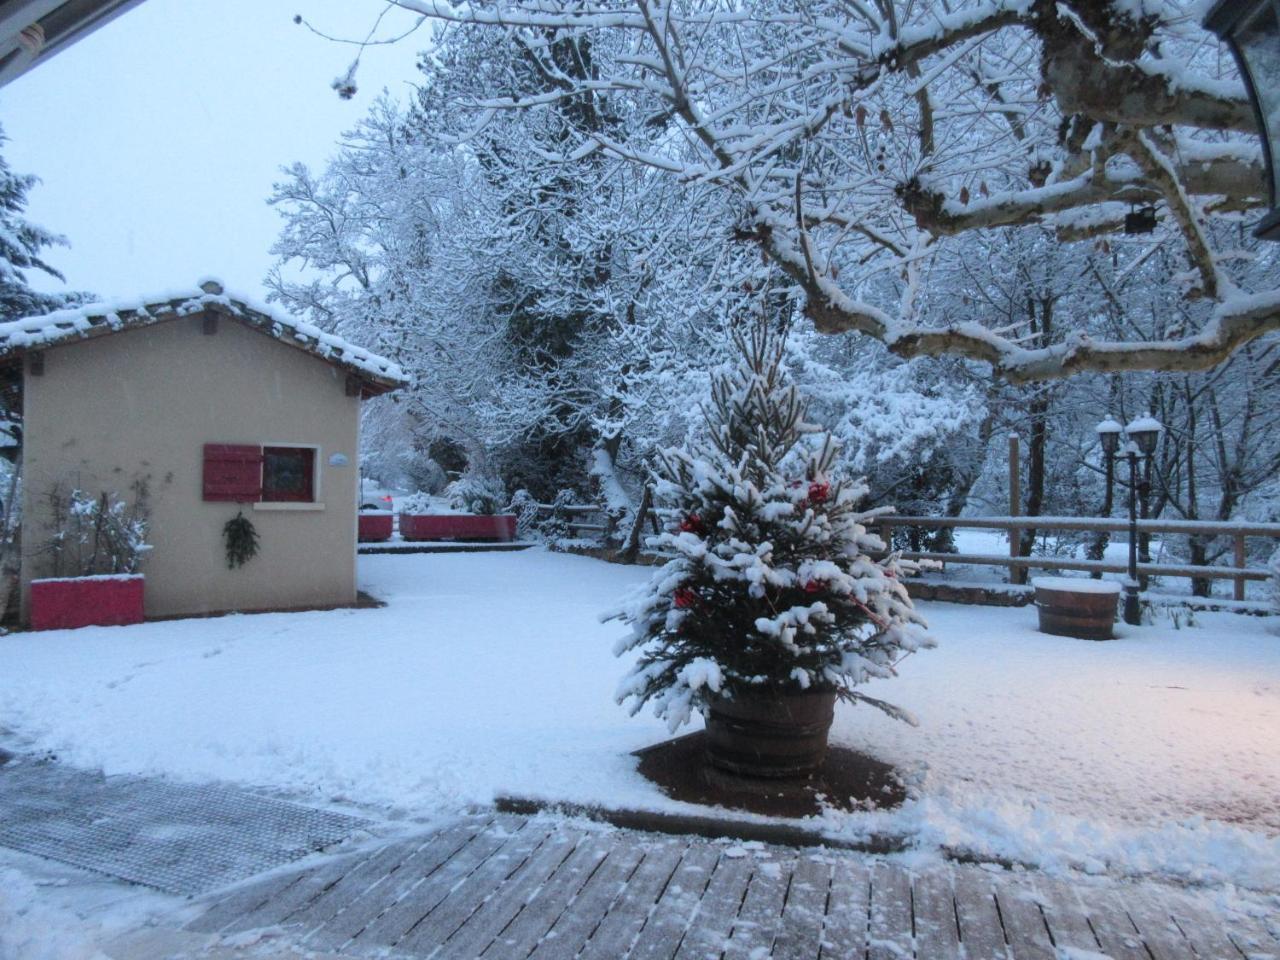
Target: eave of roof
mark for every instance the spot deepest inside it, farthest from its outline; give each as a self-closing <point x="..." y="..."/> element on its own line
<point x="17" y="337"/>
<point x="32" y="31"/>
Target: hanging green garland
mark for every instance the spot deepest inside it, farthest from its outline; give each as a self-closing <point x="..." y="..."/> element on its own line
<point x="241" y="541"/>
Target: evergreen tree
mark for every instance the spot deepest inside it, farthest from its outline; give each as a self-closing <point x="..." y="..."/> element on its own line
<point x="771" y="590"/>
<point x="21" y="243"/>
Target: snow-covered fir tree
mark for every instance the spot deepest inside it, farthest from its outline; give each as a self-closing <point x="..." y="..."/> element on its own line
<point x="771" y="589"/>
<point x="21" y="246"/>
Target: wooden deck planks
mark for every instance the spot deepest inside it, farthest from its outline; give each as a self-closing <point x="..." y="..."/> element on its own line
<point x="463" y="898"/>
<point x="718" y="910"/>
<point x="288" y="903"/>
<point x="385" y="923"/>
<point x="584" y="913"/>
<point x="760" y="916"/>
<point x="1254" y="940"/>
<point x="805" y="911"/>
<point x="1117" y="936"/>
<point x="844" y="931"/>
<point x="508" y="888"/>
<point x="665" y="928"/>
<point x="504" y="903"/>
<point x="363" y="896"/>
<point x="1162" y="937"/>
<point x="242" y="901"/>
<point x="981" y="931"/>
<point x="551" y="900"/>
<point x="1064" y="916"/>
<point x="1024" y="926"/>
<point x="1207" y="936"/>
<point x="628" y="913"/>
<point x="933" y="904"/>
<point x="889" y="934"/>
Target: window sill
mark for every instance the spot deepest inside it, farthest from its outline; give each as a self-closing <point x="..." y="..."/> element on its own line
<point x="286" y="505"/>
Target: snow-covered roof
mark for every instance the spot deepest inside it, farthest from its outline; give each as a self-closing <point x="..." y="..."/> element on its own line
<point x="106" y="317"/>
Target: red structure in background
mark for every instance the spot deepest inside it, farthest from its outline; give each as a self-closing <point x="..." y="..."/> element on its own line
<point x="501" y="527"/>
<point x="374" y="527"/>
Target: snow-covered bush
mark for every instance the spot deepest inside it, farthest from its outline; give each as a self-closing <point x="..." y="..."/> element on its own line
<point x="417" y="504"/>
<point x="475" y="493"/>
<point x="524" y="506"/>
<point x="771" y="590"/>
<point x="422" y="472"/>
<point x="555" y="526"/>
<point x="94" y="535"/>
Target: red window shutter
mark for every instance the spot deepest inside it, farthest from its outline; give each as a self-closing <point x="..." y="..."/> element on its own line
<point x="233" y="471"/>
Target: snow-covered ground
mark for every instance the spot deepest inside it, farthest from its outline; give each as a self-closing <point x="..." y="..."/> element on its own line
<point x="488" y="674"/>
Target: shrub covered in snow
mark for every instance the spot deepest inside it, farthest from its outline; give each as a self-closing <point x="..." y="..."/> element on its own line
<point x="93" y="535"/>
<point x="475" y="493"/>
<point x="524" y="505"/>
<point x="554" y="526"/>
<point x="771" y="590"/>
<point x="418" y="504"/>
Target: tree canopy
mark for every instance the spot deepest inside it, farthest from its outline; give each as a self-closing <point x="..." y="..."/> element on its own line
<point x="861" y="144"/>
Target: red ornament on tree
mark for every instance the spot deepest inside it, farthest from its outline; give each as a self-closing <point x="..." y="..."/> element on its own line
<point x="693" y="524"/>
<point x="818" y="492"/>
<point x="684" y="598"/>
<point x="813" y="586"/>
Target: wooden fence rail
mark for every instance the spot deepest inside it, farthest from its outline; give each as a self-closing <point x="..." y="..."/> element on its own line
<point x="1239" y="572"/>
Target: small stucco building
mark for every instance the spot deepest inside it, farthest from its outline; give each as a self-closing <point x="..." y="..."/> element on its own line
<point x="215" y="406"/>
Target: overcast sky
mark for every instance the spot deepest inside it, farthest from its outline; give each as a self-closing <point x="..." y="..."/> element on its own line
<point x="159" y="136"/>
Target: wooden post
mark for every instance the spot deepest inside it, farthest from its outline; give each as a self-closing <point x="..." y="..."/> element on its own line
<point x="1240" y="564"/>
<point x="1017" y="575"/>
<point x="631" y="549"/>
<point x="886" y="534"/>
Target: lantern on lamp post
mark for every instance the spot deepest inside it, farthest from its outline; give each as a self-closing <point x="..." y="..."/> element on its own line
<point x="1142" y="434"/>
<point x="1251" y="28"/>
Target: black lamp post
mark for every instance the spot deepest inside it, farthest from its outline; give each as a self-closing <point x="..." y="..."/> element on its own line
<point x="1143" y="434"/>
<point x="1109" y="435"/>
<point x="1251" y="28"/>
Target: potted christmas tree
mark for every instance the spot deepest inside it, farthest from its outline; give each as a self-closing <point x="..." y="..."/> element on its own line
<point x="770" y="608"/>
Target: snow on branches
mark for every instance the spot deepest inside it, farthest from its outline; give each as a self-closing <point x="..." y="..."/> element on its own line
<point x="771" y="586"/>
<point x="860" y="146"/>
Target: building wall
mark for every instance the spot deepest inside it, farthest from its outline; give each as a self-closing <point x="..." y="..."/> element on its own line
<point x="141" y="404"/>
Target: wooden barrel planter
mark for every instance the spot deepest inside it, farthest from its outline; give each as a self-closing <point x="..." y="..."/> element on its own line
<point x="1075" y="607"/>
<point x="770" y="737"/>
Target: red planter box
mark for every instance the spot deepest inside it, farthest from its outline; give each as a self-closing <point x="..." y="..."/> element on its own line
<point x="63" y="603"/>
<point x="374" y="527"/>
<point x="465" y="526"/>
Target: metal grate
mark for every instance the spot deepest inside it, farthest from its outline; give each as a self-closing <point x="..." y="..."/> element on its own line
<point x="174" y="837"/>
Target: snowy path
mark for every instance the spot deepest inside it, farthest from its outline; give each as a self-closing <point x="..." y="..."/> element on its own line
<point x="505" y="886"/>
<point x="1157" y="754"/>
